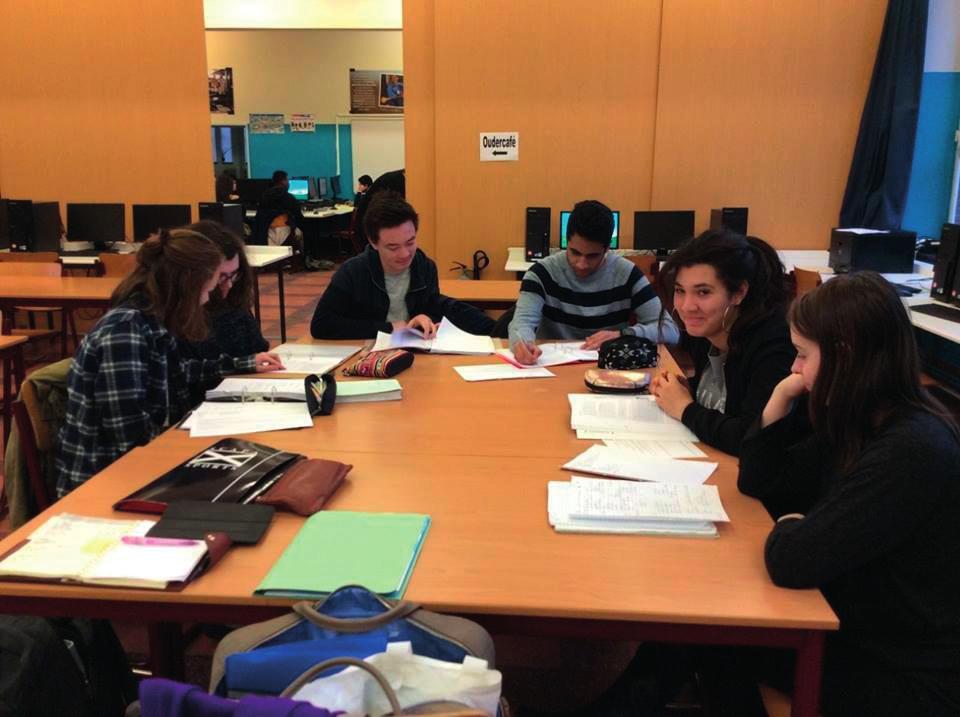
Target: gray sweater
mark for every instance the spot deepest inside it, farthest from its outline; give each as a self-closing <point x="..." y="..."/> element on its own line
<point x="555" y="304"/>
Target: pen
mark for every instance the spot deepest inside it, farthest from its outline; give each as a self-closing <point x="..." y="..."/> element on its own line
<point x="142" y="540"/>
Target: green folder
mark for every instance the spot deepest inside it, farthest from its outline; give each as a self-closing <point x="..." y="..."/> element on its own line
<point x="337" y="548"/>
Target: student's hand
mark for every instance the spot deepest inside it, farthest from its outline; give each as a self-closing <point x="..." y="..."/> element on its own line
<point x="268" y="361"/>
<point x="593" y="341"/>
<point x="782" y="398"/>
<point x="525" y="353"/>
<point x="425" y="324"/>
<point x="672" y="394"/>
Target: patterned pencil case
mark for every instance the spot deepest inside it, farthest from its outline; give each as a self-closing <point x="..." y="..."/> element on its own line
<point x="380" y="364"/>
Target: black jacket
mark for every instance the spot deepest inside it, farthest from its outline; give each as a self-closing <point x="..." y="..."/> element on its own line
<point x="274" y="202"/>
<point x="355" y="305"/>
<point x="761" y="359"/>
<point x="882" y="541"/>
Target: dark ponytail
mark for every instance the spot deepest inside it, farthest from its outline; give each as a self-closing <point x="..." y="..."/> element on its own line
<point x="736" y="259"/>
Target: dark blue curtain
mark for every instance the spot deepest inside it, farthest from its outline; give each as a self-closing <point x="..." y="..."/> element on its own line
<point x="880" y="172"/>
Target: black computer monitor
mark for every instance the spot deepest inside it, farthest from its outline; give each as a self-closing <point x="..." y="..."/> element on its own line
<point x="101" y="224"/>
<point x="321" y="187"/>
<point x="150" y="218"/>
<point x="335" y="187"/>
<point x="4" y="225"/>
<point x="311" y="187"/>
<point x="614" y="241"/>
<point x="47" y="226"/>
<point x="230" y="215"/>
<point x="662" y="231"/>
<point x="250" y="190"/>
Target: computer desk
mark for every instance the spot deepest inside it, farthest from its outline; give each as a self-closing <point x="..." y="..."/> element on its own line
<point x="269" y="258"/>
<point x="476" y="457"/>
<point x="324" y="213"/>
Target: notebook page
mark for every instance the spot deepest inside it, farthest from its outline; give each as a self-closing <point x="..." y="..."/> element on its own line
<point x="154" y="563"/>
<point x="554" y="354"/>
<point x="402" y="339"/>
<point x="603" y="460"/>
<point x="256" y="387"/>
<point x="496" y="372"/>
<point x="226" y="419"/>
<point x="450" y="339"/>
<point x="619" y="500"/>
<point x="633" y="414"/>
<point x="313" y="358"/>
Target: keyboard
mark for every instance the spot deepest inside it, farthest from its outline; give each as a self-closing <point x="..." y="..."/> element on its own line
<point x="941" y="311"/>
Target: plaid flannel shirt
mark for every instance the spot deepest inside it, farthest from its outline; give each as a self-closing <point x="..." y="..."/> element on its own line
<point x="127" y="383"/>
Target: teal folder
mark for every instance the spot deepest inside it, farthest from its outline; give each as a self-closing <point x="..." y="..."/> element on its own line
<point x="337" y="548"/>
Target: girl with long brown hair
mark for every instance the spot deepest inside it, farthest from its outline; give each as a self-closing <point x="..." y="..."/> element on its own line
<point x="128" y="380"/>
<point x="860" y="467"/>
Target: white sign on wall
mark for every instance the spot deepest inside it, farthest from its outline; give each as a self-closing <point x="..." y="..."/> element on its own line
<point x="499" y="146"/>
<point x="302" y="123"/>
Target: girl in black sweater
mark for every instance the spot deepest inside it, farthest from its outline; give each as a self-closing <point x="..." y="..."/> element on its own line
<point x="861" y="469"/>
<point x="728" y="296"/>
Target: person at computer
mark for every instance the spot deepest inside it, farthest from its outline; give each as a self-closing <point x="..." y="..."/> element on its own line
<point x="586" y="293"/>
<point x="226" y="186"/>
<point x="860" y="467"/>
<point x="279" y="218"/>
<point x="129" y="379"/>
<point x="391" y="285"/>
<point x="729" y="298"/>
<point x="363" y="186"/>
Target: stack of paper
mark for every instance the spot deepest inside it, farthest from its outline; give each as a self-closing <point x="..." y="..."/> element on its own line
<point x="313" y="358"/>
<point x="633" y="465"/>
<point x="554" y="354"/>
<point x="228" y="419"/>
<point x="607" y="416"/>
<point x="337" y="548"/>
<point x="387" y="389"/>
<point x="449" y="340"/>
<point x="596" y="505"/>
<point x="101" y="551"/>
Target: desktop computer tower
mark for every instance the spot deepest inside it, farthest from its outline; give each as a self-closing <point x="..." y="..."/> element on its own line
<point x="538" y="233"/>
<point x="230" y="215"/>
<point x="885" y="252"/>
<point x="20" y="224"/>
<point x="47" y="226"/>
<point x="732" y="218"/>
<point x="945" y="266"/>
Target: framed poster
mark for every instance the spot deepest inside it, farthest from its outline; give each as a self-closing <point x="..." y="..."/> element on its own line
<point x="220" y="86"/>
<point x="266" y="124"/>
<point x="376" y="92"/>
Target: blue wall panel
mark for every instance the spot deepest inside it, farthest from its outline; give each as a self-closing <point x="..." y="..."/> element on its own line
<point x="928" y="198"/>
<point x="304" y="154"/>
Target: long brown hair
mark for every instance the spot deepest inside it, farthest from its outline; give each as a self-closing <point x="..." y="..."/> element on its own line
<point x="869" y="364"/>
<point x="736" y="259"/>
<point x="172" y="269"/>
<point x="240" y="295"/>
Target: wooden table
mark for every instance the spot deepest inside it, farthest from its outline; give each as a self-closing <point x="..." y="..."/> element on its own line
<point x="495" y="294"/>
<point x="477" y="458"/>
<point x="11" y="358"/>
<point x="70" y="292"/>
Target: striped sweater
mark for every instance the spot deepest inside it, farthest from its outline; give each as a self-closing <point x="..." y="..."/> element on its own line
<point x="555" y="304"/>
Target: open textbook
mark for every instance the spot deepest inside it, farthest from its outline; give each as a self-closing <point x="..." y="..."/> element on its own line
<point x="554" y="354"/>
<point x="623" y="416"/>
<point x="449" y="340"/>
<point x="596" y="505"/>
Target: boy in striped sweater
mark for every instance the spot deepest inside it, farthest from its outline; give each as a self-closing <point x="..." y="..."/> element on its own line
<point x="586" y="292"/>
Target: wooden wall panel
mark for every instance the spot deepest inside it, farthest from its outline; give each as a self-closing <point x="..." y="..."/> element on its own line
<point x="577" y="82"/>
<point x="759" y="105"/>
<point x="104" y="101"/>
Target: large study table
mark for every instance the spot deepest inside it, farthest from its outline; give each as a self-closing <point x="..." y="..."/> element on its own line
<point x="477" y="457"/>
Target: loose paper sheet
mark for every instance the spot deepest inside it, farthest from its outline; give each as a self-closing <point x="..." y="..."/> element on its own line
<point x="620" y="500"/>
<point x="227" y="419"/>
<point x="656" y="449"/>
<point x="603" y="460"/>
<point x="554" y="354"/>
<point x="495" y="372"/>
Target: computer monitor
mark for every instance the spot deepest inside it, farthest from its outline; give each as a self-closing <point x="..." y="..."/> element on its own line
<point x="100" y="224"/>
<point x="250" y="190"/>
<point x="230" y="215"/>
<point x="662" y="231"/>
<point x="47" y="226"/>
<point x="311" y="187"/>
<point x="321" y="187"/>
<point x="614" y="241"/>
<point x="4" y="225"/>
<point x="150" y="218"/>
<point x="299" y="188"/>
<point x="335" y="186"/>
